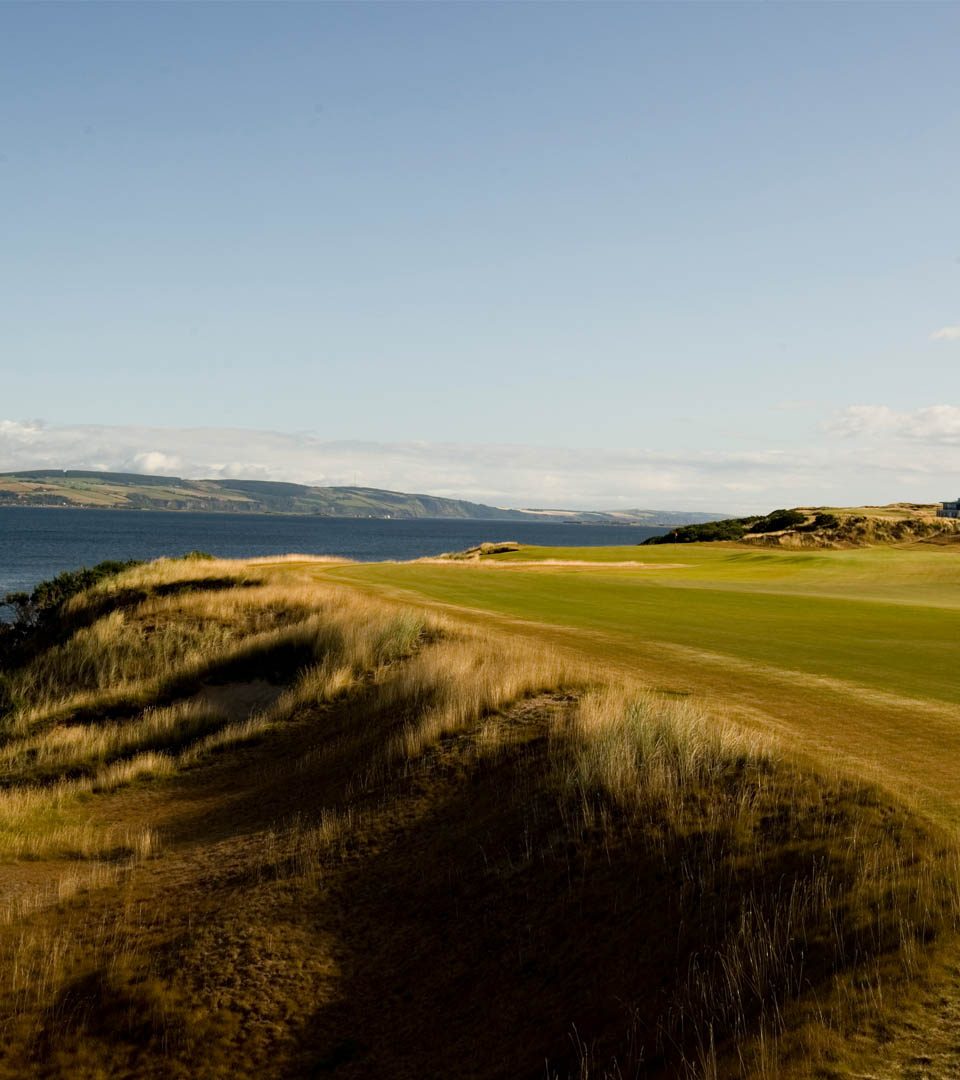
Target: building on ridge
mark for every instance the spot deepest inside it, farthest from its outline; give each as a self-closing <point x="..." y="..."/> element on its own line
<point x="949" y="509"/>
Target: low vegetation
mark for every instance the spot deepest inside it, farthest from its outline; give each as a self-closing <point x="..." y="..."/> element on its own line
<point x="732" y="528"/>
<point x="34" y="619"/>
<point x="253" y="822"/>
<point x="819" y="527"/>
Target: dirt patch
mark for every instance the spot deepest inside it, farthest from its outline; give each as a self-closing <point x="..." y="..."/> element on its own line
<point x="240" y="700"/>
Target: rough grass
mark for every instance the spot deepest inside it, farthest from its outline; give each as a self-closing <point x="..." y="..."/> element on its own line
<point x="455" y="684"/>
<point x="633" y="744"/>
<point x="116" y="702"/>
<point x="797" y="881"/>
<point x="604" y="878"/>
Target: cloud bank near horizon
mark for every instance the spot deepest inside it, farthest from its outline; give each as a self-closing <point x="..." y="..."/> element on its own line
<point x="946" y="333"/>
<point x="935" y="425"/>
<point x="866" y="453"/>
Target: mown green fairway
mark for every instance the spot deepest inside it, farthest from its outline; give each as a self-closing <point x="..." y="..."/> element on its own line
<point x="921" y="574"/>
<point x="856" y="652"/>
<point x="756" y="606"/>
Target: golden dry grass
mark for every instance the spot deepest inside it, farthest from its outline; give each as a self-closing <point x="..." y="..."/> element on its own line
<point x="460" y="680"/>
<point x="92" y="711"/>
<point x="879" y="888"/>
<point x="794" y="899"/>
<point x="634" y="743"/>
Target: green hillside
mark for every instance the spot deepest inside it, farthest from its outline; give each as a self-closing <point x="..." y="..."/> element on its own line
<point x="131" y="491"/>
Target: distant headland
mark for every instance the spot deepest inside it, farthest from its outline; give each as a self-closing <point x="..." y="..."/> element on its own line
<point x="87" y="489"/>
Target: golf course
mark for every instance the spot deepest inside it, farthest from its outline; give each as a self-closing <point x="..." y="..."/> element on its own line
<point x="851" y="655"/>
<point x="675" y="810"/>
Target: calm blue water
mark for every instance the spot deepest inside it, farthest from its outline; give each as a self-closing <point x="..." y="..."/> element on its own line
<point x="35" y="544"/>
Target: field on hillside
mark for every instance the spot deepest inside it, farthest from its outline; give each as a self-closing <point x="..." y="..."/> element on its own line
<point x="592" y="814"/>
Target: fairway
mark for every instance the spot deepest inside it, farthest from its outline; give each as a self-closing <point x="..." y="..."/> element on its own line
<point x="848" y="654"/>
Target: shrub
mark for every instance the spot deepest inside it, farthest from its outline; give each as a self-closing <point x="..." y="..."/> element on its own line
<point x="735" y="528"/>
<point x="35" y="614"/>
<point x="730" y="529"/>
<point x="778" y="520"/>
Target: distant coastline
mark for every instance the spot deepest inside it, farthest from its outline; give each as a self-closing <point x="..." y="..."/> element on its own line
<point x="531" y="519"/>
<point x="82" y="489"/>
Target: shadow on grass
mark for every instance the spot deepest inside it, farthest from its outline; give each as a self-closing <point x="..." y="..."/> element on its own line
<point x="498" y="935"/>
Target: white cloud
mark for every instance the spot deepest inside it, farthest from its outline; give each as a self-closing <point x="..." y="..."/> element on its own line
<point x="933" y="424"/>
<point x="882" y="455"/>
<point x="862" y="420"/>
<point x="946" y="333"/>
<point x="156" y="463"/>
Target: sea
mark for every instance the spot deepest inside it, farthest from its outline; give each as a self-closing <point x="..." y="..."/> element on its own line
<point x="38" y="543"/>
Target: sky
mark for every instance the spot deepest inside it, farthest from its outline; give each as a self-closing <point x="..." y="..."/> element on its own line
<point x="677" y="255"/>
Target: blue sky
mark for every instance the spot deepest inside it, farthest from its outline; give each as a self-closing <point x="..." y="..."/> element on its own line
<point x="693" y="236"/>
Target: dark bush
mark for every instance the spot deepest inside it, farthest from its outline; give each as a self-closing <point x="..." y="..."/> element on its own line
<point x="51" y="594"/>
<point x="821" y="521"/>
<point x="778" y="520"/>
<point x="36" y="614"/>
<point x="730" y="529"/>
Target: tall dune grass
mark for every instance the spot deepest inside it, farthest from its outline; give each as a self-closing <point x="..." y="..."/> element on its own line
<point x="640" y="747"/>
<point x="785" y="881"/>
<point x="120" y="700"/>
<point x="74" y="749"/>
<point x="854" y="892"/>
<point x="456" y="683"/>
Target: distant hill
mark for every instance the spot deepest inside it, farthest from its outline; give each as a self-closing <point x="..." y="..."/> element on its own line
<point x="623" y="517"/>
<point x="131" y="491"/>
<point x="824" y="527"/>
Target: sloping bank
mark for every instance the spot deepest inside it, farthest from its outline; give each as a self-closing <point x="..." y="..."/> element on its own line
<point x="253" y="823"/>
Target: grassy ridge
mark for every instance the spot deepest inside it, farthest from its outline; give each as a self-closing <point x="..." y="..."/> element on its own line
<point x="823" y="527"/>
<point x="285" y="803"/>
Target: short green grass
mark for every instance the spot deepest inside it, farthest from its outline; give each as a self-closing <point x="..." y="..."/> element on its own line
<point x="853" y="653"/>
<point x="748" y="605"/>
<point x="918" y="574"/>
